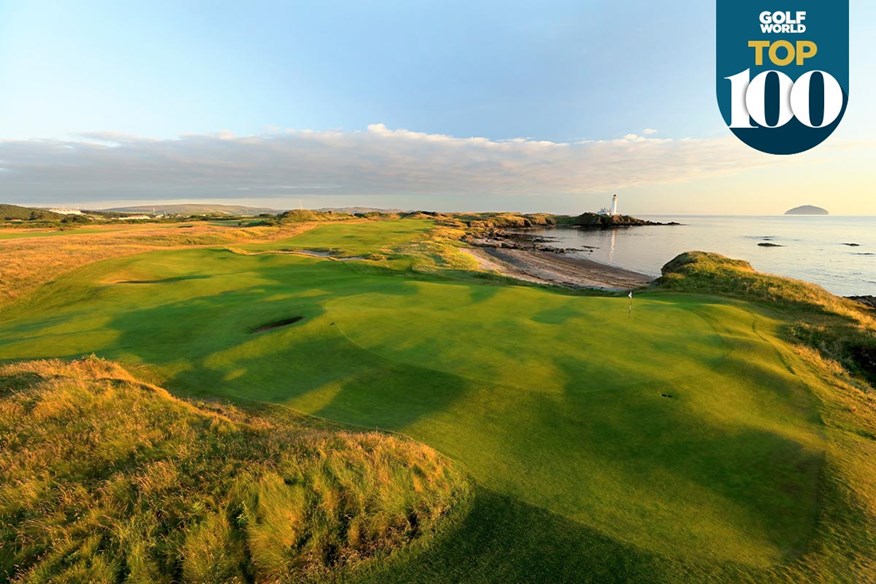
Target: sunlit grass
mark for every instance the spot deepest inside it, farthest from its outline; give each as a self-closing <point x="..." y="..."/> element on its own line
<point x="33" y="258"/>
<point x="105" y="479"/>
<point x="688" y="442"/>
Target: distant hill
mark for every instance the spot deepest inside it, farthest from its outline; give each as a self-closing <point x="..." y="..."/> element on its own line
<point x="195" y="209"/>
<point x="807" y="210"/>
<point x="11" y="212"/>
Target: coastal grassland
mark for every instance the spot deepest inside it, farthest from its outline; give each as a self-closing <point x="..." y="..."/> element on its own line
<point x="841" y="329"/>
<point x="352" y="238"/>
<point x="106" y="479"/>
<point x="31" y="258"/>
<point x="28" y="233"/>
<point x="688" y="442"/>
<point x="408" y="245"/>
<point x="709" y="272"/>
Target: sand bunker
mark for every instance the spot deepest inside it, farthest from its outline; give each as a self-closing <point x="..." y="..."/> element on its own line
<point x="276" y="324"/>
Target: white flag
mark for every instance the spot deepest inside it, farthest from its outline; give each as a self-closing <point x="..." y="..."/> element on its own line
<point x="631" y="293"/>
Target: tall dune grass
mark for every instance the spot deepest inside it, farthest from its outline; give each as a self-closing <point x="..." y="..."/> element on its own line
<point x="105" y="479"/>
<point x="699" y="271"/>
<point x="840" y="328"/>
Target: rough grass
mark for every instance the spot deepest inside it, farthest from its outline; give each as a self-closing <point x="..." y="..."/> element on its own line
<point x="438" y="251"/>
<point x="308" y="216"/>
<point x="706" y="272"/>
<point x="409" y="245"/>
<point x="33" y="258"/>
<point x="842" y="329"/>
<point x="353" y="237"/>
<point x="105" y="479"/>
<point x="759" y="469"/>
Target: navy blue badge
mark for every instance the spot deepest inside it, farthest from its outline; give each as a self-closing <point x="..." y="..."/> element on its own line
<point x="783" y="71"/>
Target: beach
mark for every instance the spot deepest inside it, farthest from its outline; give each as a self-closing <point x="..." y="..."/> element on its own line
<point x="546" y="267"/>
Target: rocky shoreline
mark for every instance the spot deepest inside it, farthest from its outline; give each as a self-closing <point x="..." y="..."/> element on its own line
<point x="505" y="239"/>
<point x="869" y="301"/>
<point x="598" y="221"/>
<point x="532" y="258"/>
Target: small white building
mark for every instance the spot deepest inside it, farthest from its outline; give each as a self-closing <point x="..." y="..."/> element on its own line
<point x="66" y="211"/>
<point x="613" y="210"/>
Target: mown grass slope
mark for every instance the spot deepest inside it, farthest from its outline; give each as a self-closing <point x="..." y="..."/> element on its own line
<point x="105" y="479"/>
<point x="839" y="327"/>
<point x="688" y="443"/>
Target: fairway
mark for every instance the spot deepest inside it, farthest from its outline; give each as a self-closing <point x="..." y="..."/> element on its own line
<point x="434" y="293"/>
<point x="680" y="431"/>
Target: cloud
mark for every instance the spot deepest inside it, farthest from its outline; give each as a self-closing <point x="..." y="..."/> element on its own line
<point x="377" y="161"/>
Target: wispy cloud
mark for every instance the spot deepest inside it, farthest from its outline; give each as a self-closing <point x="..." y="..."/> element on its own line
<point x="377" y="161"/>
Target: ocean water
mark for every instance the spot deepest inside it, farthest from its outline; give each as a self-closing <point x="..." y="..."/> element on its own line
<point x="813" y="248"/>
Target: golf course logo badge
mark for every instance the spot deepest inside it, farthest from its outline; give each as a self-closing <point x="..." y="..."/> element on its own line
<point x="783" y="71"/>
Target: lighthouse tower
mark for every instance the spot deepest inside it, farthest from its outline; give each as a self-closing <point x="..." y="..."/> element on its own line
<point x="614" y="205"/>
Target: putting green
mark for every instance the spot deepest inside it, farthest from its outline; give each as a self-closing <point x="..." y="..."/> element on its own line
<point x="680" y="415"/>
<point x="680" y="432"/>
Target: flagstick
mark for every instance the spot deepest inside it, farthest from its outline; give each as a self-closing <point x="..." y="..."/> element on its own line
<point x="630" y="312"/>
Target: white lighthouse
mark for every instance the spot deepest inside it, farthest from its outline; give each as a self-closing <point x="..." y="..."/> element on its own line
<point x="614" y="205"/>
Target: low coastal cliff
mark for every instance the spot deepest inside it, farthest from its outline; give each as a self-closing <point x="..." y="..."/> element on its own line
<point x="596" y="220"/>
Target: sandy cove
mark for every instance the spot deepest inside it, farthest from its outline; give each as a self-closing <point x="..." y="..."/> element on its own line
<point x="545" y="267"/>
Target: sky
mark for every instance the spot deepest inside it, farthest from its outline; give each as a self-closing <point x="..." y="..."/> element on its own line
<point x="446" y="105"/>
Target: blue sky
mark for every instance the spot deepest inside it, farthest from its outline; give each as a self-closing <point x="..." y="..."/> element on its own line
<point x="493" y="69"/>
<point x="566" y="72"/>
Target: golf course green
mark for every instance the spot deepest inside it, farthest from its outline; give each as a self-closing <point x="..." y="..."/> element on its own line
<point x="681" y="441"/>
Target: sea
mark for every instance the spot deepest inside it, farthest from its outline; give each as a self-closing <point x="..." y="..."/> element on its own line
<point x="838" y="253"/>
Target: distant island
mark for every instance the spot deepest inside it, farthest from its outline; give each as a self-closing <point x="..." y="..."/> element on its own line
<point x="807" y="210"/>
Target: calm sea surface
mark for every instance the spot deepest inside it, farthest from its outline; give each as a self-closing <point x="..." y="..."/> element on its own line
<point x="813" y="248"/>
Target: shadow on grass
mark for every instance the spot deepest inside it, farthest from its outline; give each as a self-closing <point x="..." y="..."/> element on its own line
<point x="165" y="280"/>
<point x="505" y="540"/>
<point x="201" y="338"/>
<point x="204" y="344"/>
